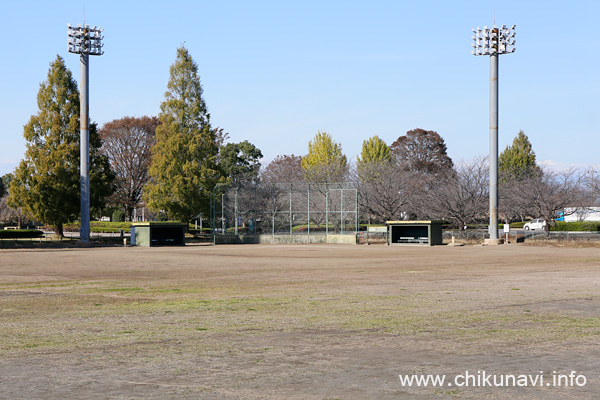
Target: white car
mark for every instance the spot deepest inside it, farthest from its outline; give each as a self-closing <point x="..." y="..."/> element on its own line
<point x="535" y="224"/>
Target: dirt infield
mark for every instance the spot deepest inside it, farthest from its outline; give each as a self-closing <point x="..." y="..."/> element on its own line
<point x="297" y="321"/>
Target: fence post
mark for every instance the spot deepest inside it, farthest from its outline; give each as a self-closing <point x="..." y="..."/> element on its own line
<point x="356" y="211"/>
<point x="326" y="212"/>
<point x="236" y="210"/>
<point x="223" y="198"/>
<point x="308" y="210"/>
<point x="342" y="211"/>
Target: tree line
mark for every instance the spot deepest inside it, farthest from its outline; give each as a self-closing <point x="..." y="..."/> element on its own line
<point x="172" y="162"/>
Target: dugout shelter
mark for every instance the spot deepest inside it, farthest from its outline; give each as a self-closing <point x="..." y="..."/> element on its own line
<point x="416" y="233"/>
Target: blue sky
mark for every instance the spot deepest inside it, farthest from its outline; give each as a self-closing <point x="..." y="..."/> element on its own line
<point x="275" y="73"/>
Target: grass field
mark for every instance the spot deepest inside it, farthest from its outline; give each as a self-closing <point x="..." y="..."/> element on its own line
<point x="295" y="321"/>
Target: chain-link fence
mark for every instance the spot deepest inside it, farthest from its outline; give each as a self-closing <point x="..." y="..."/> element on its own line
<point x="562" y="236"/>
<point x="290" y="209"/>
<point x="366" y="237"/>
<point x="479" y="235"/>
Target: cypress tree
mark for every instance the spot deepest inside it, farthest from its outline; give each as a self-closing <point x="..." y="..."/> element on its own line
<point x="517" y="161"/>
<point x="183" y="169"/>
<point x="46" y="182"/>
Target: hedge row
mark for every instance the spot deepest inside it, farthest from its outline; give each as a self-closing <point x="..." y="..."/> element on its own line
<point x="110" y="225"/>
<point x="517" y="225"/>
<point x="579" y="226"/>
<point x="99" y="227"/>
<point x="20" y="233"/>
<point x="195" y="232"/>
<point x="312" y="229"/>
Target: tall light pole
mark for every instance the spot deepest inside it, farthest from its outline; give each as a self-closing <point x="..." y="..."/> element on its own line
<point x="493" y="42"/>
<point x="85" y="41"/>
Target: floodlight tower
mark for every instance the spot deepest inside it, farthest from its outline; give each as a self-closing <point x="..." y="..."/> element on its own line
<point x="493" y="42"/>
<point x="85" y="41"/>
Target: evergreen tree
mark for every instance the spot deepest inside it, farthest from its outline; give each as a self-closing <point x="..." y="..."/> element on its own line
<point x="325" y="162"/>
<point x="517" y="161"/>
<point x="374" y="150"/>
<point x="240" y="162"/>
<point x="46" y="183"/>
<point x="183" y="169"/>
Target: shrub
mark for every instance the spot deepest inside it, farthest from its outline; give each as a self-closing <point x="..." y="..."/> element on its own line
<point x="241" y="230"/>
<point x="162" y="217"/>
<point x="581" y="226"/>
<point x="118" y="216"/>
<point x="517" y="225"/>
<point x="195" y="232"/>
<point x="312" y="228"/>
<point x="20" y="233"/>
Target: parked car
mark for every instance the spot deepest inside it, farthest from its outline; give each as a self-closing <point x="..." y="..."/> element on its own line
<point x="535" y="224"/>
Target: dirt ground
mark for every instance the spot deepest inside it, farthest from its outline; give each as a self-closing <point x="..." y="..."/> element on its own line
<point x="296" y="321"/>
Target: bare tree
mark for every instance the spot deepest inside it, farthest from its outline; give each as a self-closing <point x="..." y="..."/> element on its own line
<point x="592" y="184"/>
<point x="385" y="189"/>
<point x="127" y="143"/>
<point x="460" y="195"/>
<point x="511" y="204"/>
<point x="283" y="169"/>
<point x="549" y="192"/>
<point x="9" y="215"/>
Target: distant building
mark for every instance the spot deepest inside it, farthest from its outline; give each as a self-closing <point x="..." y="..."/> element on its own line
<point x="574" y="214"/>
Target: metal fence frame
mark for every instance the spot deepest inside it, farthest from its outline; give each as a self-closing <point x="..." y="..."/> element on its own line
<point x="535" y="235"/>
<point x="285" y="209"/>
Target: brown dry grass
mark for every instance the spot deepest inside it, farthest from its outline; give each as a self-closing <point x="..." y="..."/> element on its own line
<point x="297" y="322"/>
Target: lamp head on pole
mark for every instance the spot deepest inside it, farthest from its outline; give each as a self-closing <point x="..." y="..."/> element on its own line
<point x="85" y="40"/>
<point x="493" y="41"/>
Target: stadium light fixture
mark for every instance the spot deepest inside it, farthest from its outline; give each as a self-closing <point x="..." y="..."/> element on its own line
<point x="493" y="42"/>
<point x="86" y="42"/>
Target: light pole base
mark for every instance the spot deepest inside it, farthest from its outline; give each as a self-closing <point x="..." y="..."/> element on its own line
<point x="493" y="242"/>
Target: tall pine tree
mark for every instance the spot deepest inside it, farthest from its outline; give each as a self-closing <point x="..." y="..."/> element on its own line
<point x="46" y="182"/>
<point x="183" y="170"/>
<point x="517" y="161"/>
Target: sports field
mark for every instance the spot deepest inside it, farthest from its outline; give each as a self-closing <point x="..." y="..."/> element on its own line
<point x="298" y="322"/>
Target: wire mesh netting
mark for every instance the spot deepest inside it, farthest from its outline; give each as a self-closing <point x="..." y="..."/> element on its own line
<point x="291" y="209"/>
